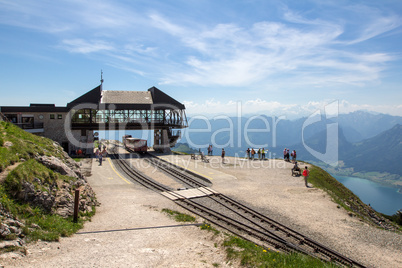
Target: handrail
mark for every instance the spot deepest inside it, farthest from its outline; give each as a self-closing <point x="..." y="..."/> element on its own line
<point x="3" y="117"/>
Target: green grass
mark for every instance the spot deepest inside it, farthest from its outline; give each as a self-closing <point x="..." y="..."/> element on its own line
<point x="339" y="193"/>
<point x="52" y="227"/>
<point x="180" y="217"/>
<point x="28" y="171"/>
<point x="24" y="145"/>
<point x="344" y="197"/>
<point x="252" y="255"/>
<point x="210" y="228"/>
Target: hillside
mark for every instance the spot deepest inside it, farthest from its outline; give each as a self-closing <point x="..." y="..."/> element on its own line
<point x="361" y="125"/>
<point x="378" y="154"/>
<point x="37" y="184"/>
<point x="381" y="153"/>
<point x="184" y="148"/>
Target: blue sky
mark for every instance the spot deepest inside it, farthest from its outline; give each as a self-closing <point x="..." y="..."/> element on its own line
<point x="272" y="57"/>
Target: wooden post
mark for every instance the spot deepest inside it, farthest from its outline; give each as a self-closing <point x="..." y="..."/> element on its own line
<point x="76" y="204"/>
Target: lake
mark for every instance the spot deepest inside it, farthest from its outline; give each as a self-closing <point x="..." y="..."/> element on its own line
<point x="382" y="198"/>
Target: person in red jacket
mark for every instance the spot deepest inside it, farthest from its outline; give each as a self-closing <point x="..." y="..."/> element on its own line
<point x="306" y="172"/>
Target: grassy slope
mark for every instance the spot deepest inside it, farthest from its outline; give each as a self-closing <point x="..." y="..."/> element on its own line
<point x="23" y="149"/>
<point x="24" y="145"/>
<point x="344" y="197"/>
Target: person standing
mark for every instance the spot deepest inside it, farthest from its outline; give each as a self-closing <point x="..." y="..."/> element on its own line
<point x="263" y="153"/>
<point x="248" y="153"/>
<point x="100" y="159"/>
<point x="252" y="153"/>
<point x="223" y="155"/>
<point x="306" y="173"/>
<point x="97" y="153"/>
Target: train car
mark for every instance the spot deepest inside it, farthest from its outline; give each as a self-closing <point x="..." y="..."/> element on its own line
<point x="135" y="145"/>
<point x="125" y="137"/>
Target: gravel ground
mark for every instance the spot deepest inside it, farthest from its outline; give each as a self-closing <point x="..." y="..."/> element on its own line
<point x="267" y="186"/>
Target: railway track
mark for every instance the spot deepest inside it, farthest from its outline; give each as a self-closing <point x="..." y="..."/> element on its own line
<point x="229" y="214"/>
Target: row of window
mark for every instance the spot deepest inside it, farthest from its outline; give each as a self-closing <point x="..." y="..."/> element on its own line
<point x="53" y="116"/>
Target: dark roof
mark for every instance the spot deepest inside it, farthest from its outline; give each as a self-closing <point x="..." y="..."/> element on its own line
<point x="120" y="100"/>
<point x="92" y="96"/>
<point x="33" y="109"/>
<point x="160" y="98"/>
<point x="41" y="105"/>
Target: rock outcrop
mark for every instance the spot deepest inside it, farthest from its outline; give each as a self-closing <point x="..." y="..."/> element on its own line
<point x="69" y="167"/>
<point x="11" y="230"/>
<point x="55" y="197"/>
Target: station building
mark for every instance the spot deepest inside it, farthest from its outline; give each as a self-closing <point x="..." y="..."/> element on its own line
<point x="73" y="126"/>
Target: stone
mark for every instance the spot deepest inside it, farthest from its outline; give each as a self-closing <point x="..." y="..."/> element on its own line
<point x="64" y="212"/>
<point x="8" y="144"/>
<point x="9" y="244"/>
<point x="12" y="222"/>
<point x="15" y="230"/>
<point x="4" y="230"/>
<point x="35" y="226"/>
<point x="56" y="164"/>
<point x="11" y="255"/>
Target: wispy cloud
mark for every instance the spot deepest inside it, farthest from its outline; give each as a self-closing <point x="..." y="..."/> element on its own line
<point x="86" y="46"/>
<point x="234" y="56"/>
<point x="212" y="107"/>
<point x="295" y="50"/>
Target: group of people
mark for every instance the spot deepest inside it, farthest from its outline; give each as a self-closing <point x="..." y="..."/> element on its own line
<point x="260" y="152"/>
<point x="286" y="155"/>
<point x="99" y="153"/>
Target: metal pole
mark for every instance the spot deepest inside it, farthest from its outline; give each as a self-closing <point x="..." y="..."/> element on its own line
<point x="76" y="203"/>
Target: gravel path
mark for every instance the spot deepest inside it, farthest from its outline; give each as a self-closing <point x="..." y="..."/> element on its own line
<point x="267" y="186"/>
<point x="126" y="206"/>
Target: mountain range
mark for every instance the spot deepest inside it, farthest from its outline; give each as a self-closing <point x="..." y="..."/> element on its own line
<point x="366" y="142"/>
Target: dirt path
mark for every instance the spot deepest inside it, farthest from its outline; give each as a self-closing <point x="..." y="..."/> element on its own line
<point x="4" y="173"/>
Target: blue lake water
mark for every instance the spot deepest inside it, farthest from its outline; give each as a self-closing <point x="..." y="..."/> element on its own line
<point x="382" y="198"/>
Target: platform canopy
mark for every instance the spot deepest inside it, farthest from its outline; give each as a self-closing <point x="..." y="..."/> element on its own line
<point x="132" y="100"/>
<point x="105" y="109"/>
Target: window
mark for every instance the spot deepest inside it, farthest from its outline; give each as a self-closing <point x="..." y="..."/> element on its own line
<point x="59" y="116"/>
<point x="13" y="118"/>
<point x="52" y="116"/>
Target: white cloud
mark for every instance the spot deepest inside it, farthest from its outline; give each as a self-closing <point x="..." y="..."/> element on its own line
<point x="307" y="52"/>
<point x="234" y="56"/>
<point x="213" y="107"/>
<point x="86" y="46"/>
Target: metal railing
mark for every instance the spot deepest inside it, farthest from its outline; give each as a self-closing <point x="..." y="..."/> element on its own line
<point x="3" y="118"/>
<point x="29" y="125"/>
